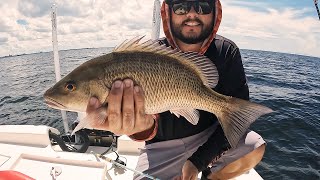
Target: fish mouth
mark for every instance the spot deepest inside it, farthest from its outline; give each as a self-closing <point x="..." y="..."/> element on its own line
<point x="54" y="104"/>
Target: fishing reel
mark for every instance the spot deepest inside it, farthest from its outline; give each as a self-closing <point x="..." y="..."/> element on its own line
<point x="82" y="139"/>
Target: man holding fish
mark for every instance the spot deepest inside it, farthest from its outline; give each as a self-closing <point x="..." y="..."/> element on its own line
<point x="186" y="29"/>
<point x="191" y="124"/>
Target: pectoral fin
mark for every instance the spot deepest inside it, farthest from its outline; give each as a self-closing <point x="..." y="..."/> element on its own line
<point x="92" y="120"/>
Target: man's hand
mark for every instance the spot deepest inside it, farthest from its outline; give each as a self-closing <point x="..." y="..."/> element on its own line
<point x="125" y="111"/>
<point x="189" y="172"/>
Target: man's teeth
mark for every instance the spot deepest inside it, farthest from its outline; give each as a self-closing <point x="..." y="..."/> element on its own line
<point x="192" y="24"/>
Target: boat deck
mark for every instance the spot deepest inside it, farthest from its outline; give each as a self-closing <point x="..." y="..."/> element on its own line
<point x="27" y="149"/>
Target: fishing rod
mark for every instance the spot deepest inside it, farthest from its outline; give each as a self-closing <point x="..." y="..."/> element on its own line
<point x="56" y="58"/>
<point x="316" y="4"/>
<point x="156" y="19"/>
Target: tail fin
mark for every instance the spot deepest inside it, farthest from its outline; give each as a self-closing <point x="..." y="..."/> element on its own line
<point x="238" y="116"/>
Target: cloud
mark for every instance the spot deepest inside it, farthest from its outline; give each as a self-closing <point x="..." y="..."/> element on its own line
<point x="85" y="29"/>
<point x="75" y="8"/>
<point x="33" y="8"/>
<point x="285" y="30"/>
<point x="3" y="40"/>
<point x="103" y="23"/>
<point x="7" y="18"/>
<point x="4" y="27"/>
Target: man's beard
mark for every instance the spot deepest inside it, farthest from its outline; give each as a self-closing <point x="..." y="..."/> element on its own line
<point x="191" y="39"/>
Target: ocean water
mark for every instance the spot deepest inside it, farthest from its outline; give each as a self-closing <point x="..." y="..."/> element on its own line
<point x="287" y="83"/>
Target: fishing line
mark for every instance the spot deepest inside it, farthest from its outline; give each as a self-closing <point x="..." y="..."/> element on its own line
<point x="125" y="167"/>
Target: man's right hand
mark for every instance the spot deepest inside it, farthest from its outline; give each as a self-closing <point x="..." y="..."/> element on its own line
<point x="125" y="111"/>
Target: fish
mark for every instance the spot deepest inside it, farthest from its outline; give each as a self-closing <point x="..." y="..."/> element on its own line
<point x="172" y="80"/>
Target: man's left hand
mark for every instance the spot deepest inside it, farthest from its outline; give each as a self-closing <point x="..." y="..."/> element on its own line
<point x="189" y="172"/>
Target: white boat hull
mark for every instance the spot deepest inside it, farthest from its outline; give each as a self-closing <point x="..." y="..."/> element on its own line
<point x="27" y="149"/>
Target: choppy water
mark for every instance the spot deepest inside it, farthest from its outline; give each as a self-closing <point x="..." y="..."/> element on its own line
<point x="289" y="84"/>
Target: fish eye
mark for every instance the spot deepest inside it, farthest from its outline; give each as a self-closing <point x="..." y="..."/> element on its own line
<point x="70" y="86"/>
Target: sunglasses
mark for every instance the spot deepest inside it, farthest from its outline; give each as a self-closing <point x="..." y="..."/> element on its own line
<point x="184" y="7"/>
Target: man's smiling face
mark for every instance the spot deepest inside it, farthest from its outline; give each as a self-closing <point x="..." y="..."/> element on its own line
<point x="191" y="28"/>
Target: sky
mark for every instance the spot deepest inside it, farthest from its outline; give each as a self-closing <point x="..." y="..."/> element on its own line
<point x="289" y="26"/>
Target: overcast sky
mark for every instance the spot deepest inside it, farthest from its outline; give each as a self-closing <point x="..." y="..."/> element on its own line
<point x="290" y="26"/>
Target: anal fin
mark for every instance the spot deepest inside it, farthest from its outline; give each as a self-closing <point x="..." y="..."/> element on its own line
<point x="192" y="115"/>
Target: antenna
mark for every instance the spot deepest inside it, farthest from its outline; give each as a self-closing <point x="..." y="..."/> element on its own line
<point x="56" y="58"/>
<point x="316" y="4"/>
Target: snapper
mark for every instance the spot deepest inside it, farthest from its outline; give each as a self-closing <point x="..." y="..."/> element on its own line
<point x="175" y="81"/>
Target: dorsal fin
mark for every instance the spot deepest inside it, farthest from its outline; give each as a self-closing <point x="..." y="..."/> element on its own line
<point x="203" y="66"/>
